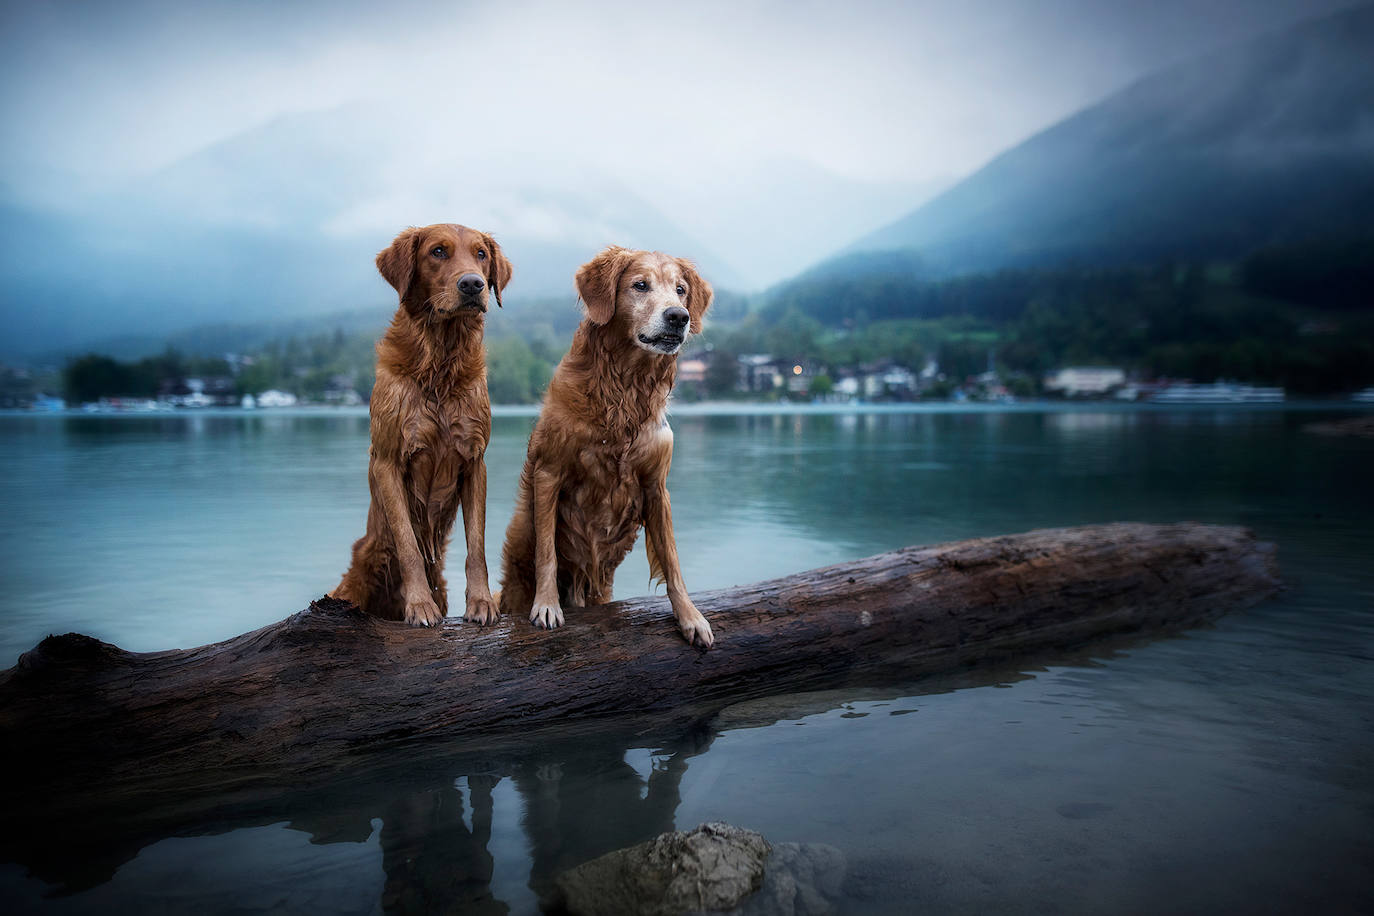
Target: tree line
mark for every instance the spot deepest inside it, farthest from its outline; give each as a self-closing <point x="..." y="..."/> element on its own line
<point x="1300" y="316"/>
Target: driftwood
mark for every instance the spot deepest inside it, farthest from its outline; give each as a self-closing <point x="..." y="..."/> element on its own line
<point x="330" y="682"/>
<point x="175" y="741"/>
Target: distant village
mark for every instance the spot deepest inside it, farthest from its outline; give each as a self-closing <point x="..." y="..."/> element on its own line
<point x="762" y="376"/>
<point x="24" y="389"/>
<point x="701" y="376"/>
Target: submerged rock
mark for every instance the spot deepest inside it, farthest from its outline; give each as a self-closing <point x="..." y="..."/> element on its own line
<point x="800" y="879"/>
<point x="1358" y="426"/>
<point x="714" y="868"/>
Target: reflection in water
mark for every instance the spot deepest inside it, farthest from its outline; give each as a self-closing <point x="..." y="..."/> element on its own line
<point x="577" y="796"/>
<point x="588" y="800"/>
<point x="1070" y="423"/>
<point x="577" y="799"/>
<point x="432" y="859"/>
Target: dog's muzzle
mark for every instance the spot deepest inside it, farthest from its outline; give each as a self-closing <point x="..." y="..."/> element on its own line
<point x="664" y="343"/>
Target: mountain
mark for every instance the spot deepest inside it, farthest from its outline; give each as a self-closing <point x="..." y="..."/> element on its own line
<point x="281" y="223"/>
<point x="778" y="216"/>
<point x="284" y="221"/>
<point x="1263" y="143"/>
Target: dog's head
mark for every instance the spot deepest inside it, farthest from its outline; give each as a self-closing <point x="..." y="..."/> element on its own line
<point x="657" y="300"/>
<point x="445" y="270"/>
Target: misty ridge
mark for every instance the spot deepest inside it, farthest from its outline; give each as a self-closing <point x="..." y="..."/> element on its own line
<point x="1255" y="148"/>
<point x="285" y="220"/>
<point x="1268" y="142"/>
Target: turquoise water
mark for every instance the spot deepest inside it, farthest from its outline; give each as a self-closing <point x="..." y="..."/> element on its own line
<point x="1225" y="769"/>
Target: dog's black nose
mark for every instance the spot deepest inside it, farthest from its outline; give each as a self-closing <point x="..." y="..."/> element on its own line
<point x="471" y="284"/>
<point x="676" y="317"/>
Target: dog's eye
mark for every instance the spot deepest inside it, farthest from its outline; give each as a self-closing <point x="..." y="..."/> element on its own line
<point x="439" y="252"/>
<point x="481" y="255"/>
<point x="681" y="290"/>
<point x="641" y="285"/>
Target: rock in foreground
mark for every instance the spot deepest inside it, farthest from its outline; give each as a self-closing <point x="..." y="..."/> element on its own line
<point x="716" y="867"/>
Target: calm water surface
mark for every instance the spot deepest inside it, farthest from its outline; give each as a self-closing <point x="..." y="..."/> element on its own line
<point x="1227" y="769"/>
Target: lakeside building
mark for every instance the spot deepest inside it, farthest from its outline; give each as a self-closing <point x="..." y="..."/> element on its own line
<point x="274" y="398"/>
<point x="799" y="375"/>
<point x="758" y="373"/>
<point x="692" y="371"/>
<point x="887" y="380"/>
<point x="17" y="388"/>
<point x="215" y="391"/>
<point x="340" y="391"/>
<point x="1080" y="381"/>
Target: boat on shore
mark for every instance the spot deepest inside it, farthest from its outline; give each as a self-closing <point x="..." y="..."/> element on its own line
<point x="1217" y="393"/>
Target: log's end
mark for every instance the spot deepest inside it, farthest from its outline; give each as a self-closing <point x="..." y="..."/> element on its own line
<point x="1264" y="563"/>
<point x="1248" y="568"/>
<point x="69" y="651"/>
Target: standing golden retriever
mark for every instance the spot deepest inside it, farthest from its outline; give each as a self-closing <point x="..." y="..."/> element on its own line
<point x="430" y="424"/>
<point x="597" y="466"/>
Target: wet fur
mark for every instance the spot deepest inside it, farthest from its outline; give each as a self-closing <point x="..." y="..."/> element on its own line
<point x="602" y="444"/>
<point x="431" y="421"/>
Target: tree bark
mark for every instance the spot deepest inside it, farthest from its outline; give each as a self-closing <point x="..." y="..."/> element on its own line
<point x="328" y="685"/>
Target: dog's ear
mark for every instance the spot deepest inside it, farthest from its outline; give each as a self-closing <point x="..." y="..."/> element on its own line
<point x="397" y="263"/>
<point x="498" y="268"/>
<point x="598" y="282"/>
<point x="699" y="293"/>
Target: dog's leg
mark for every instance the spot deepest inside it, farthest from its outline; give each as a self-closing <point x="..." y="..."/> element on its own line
<point x="546" y="611"/>
<point x="662" y="550"/>
<point x="517" y="553"/>
<point x="480" y="607"/>
<point x="389" y="490"/>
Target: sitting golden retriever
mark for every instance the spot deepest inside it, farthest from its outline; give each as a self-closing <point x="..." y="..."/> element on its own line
<point x="597" y="466"/>
<point x="430" y="424"/>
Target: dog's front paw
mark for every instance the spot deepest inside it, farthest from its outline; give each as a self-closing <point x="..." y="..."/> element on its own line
<point x="696" y="630"/>
<point x="423" y="612"/>
<point x="546" y="616"/>
<point x="481" y="610"/>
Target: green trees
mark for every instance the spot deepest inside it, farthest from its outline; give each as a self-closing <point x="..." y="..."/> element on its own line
<point x="515" y="374"/>
<point x="93" y="376"/>
<point x="1298" y="316"/>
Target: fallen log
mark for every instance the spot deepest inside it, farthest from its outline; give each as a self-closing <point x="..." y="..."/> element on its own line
<point x="329" y="685"/>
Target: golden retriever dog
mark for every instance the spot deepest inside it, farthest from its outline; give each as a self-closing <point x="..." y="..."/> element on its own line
<point x="431" y="421"/>
<point x="597" y="466"/>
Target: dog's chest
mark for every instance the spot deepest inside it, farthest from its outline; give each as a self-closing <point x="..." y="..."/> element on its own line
<point x="441" y="440"/>
<point x="452" y="430"/>
<point x="609" y="500"/>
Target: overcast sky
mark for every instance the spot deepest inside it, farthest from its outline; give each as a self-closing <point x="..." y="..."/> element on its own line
<point x="97" y="91"/>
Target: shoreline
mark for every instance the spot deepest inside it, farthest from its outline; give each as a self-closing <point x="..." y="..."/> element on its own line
<point x="758" y="408"/>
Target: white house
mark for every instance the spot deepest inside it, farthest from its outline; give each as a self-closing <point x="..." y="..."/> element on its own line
<point x="274" y="398"/>
<point x="888" y="380"/>
<point x="1075" y="381"/>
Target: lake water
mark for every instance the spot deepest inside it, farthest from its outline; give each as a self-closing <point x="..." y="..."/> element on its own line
<point x="1227" y="769"/>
